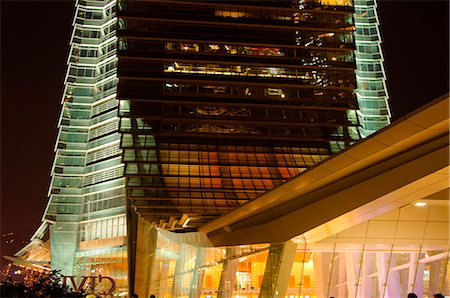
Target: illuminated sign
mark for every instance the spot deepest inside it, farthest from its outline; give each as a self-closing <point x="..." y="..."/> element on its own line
<point x="92" y="282"/>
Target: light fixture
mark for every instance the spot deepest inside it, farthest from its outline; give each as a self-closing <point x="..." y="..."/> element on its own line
<point x="420" y="204"/>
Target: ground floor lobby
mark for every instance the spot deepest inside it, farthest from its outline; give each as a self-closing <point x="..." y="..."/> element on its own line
<point x="402" y="251"/>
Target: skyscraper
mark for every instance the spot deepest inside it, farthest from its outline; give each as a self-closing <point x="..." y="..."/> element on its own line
<point x="181" y="111"/>
<point x="372" y="96"/>
<point x="221" y="101"/>
<point x="86" y="209"/>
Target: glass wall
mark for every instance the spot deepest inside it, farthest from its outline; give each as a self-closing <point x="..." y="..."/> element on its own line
<point x="326" y="269"/>
<point x="358" y="271"/>
<point x="221" y="101"/>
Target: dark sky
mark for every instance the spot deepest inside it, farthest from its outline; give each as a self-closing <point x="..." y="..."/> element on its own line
<point x="34" y="49"/>
<point x="415" y="38"/>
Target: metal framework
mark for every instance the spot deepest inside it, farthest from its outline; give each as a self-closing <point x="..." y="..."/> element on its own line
<point x="220" y="102"/>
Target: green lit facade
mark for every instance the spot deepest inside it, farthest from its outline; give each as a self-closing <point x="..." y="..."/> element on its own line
<point x="372" y="95"/>
<point x="221" y="101"/>
<point x="86" y="209"/>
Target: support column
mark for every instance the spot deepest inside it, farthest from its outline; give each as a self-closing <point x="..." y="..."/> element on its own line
<point x="147" y="238"/>
<point x="132" y="225"/>
<point x="388" y="282"/>
<point x="322" y="264"/>
<point x="381" y="260"/>
<point x="228" y="275"/>
<point x="366" y="270"/>
<point x="164" y="290"/>
<point x="278" y="269"/>
<point x="332" y="275"/>
<point x="393" y="284"/>
<point x="179" y="272"/>
<point x="197" y="278"/>
<point x="351" y="271"/>
<point x="415" y="278"/>
<point x="341" y="278"/>
<point x="419" y="278"/>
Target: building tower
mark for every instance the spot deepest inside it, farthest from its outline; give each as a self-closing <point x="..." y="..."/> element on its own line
<point x="221" y="101"/>
<point x="373" y="112"/>
<point x="86" y="209"/>
<point x="181" y="111"/>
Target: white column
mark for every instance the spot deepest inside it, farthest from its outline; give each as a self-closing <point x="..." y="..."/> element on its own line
<point x="352" y="269"/>
<point x="197" y="278"/>
<point x="415" y="277"/>
<point x="341" y="280"/>
<point x="333" y="275"/>
<point x="322" y="265"/>
<point x="366" y="270"/>
<point x="388" y="282"/>
<point x="393" y="284"/>
<point x="285" y="268"/>
<point x="382" y="270"/>
<point x="228" y="275"/>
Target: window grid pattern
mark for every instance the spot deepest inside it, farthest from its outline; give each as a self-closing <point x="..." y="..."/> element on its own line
<point x="103" y="153"/>
<point x="104" y="106"/>
<point x="102" y="229"/>
<point x="102" y="176"/>
<point x="103" y="129"/>
<point x="372" y="92"/>
<point x="232" y="174"/>
<point x="221" y="102"/>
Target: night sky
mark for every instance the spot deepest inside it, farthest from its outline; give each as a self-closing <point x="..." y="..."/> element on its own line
<point x="34" y="49"/>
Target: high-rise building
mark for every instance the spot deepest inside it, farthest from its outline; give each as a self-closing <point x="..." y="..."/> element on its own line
<point x="181" y="111"/>
<point x="221" y="101"/>
<point x="373" y="113"/>
<point x="86" y="209"/>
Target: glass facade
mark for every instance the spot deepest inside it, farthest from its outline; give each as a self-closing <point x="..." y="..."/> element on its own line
<point x="374" y="112"/>
<point x="221" y="101"/>
<point x="353" y="263"/>
<point x="182" y="111"/>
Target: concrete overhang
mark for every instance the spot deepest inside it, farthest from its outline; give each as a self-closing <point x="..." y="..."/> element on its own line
<point x="399" y="165"/>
